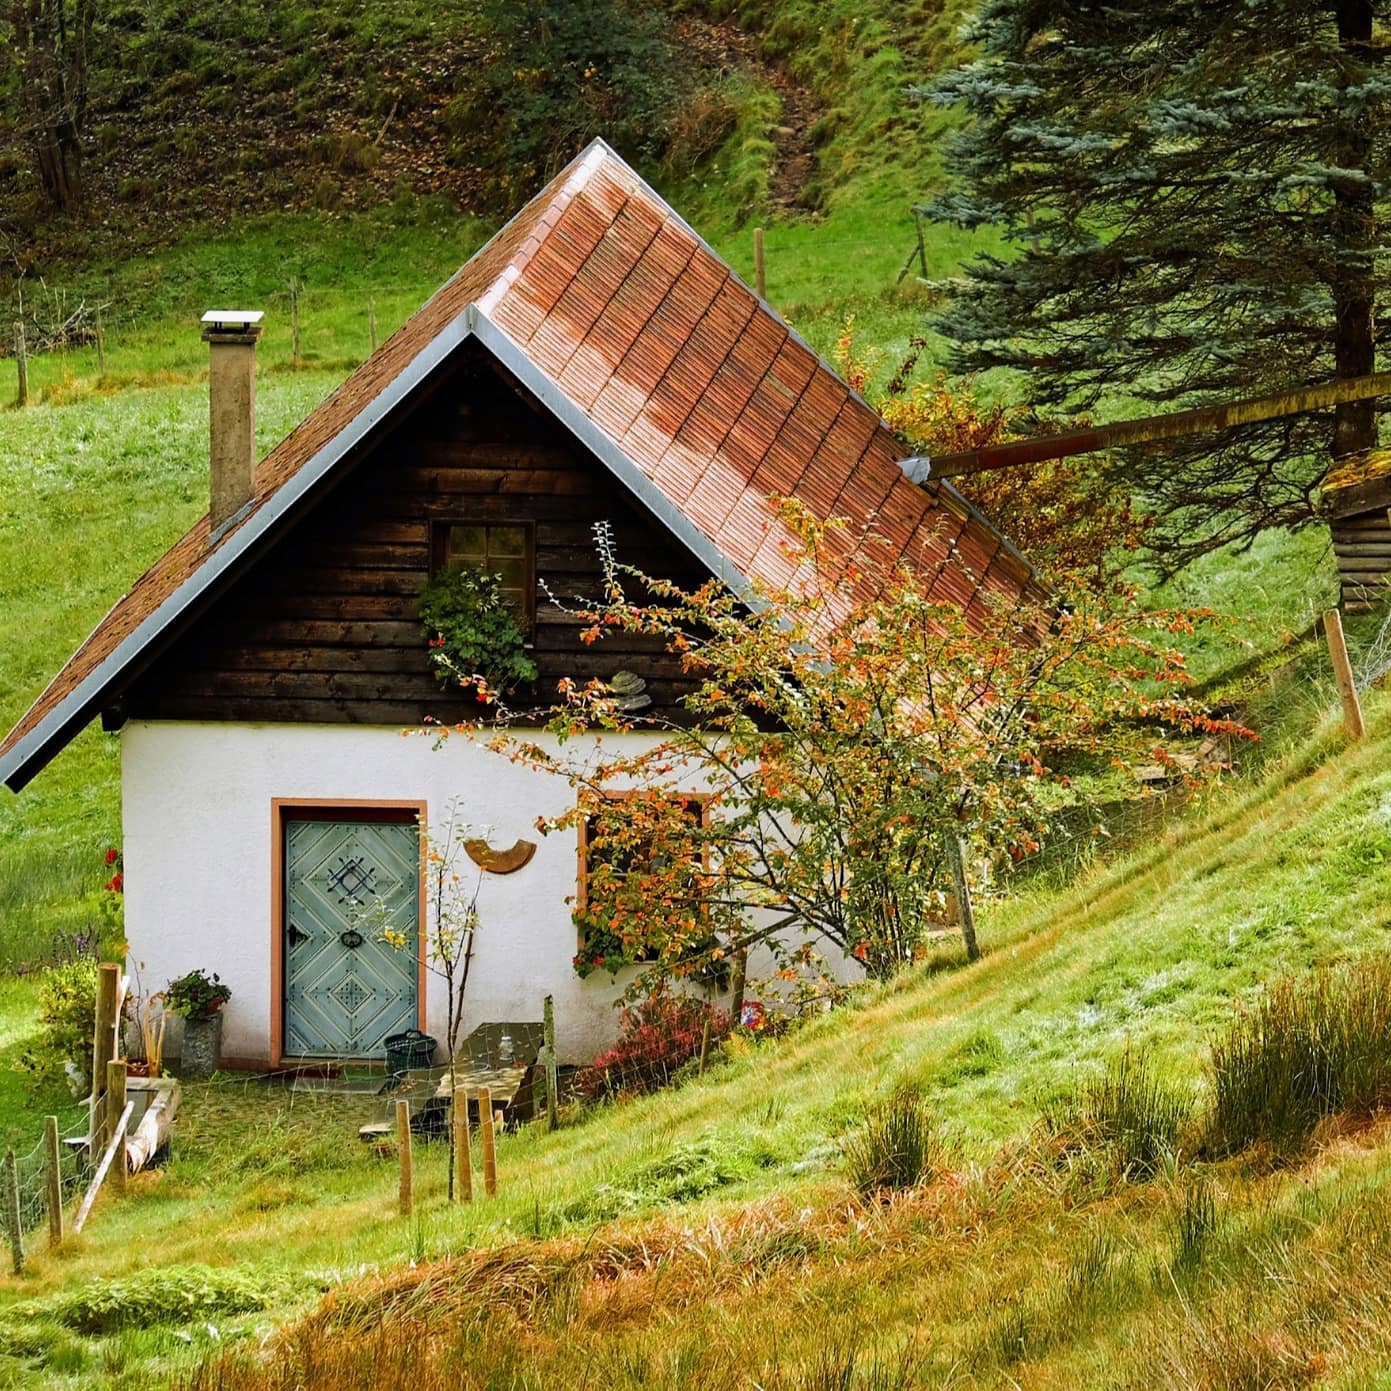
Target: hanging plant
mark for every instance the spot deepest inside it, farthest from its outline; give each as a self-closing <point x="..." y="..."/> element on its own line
<point x="474" y="635"/>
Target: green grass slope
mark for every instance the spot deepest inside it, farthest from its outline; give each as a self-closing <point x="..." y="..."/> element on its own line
<point x="1152" y="954"/>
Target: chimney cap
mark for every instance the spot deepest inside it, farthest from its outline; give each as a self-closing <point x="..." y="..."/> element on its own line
<point x="233" y="320"/>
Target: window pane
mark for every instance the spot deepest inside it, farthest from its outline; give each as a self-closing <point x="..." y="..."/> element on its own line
<point x="513" y="572"/>
<point x="506" y="540"/>
<point x="467" y="543"/>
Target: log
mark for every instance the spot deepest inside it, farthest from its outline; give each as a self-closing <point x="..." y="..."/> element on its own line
<point x="152" y="1134"/>
<point x="93" y="1188"/>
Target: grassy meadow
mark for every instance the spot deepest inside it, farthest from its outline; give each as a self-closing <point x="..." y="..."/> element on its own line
<point x="711" y="1234"/>
<point x="712" y="1231"/>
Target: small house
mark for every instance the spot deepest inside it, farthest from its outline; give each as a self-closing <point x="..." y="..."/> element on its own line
<point x="1356" y="499"/>
<point x="595" y="362"/>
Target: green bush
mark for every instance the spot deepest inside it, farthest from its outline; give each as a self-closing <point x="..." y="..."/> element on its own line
<point x="1129" y="1115"/>
<point x="557" y="75"/>
<point x="67" y="1006"/>
<point x="172" y="1294"/>
<point x="1313" y="1047"/>
<point x="898" y="1147"/>
<point x="472" y="631"/>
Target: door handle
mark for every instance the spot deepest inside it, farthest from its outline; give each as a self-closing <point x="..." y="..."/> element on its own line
<point x="351" y="938"/>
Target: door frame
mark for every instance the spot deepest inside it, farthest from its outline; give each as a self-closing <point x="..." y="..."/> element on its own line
<point x="285" y="809"/>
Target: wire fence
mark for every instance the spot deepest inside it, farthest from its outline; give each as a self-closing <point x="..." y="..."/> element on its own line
<point x="25" y="1178"/>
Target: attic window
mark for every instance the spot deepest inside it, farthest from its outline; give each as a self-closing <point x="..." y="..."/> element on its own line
<point x="505" y="549"/>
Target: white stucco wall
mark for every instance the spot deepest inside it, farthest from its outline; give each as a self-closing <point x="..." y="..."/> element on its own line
<point x="197" y="816"/>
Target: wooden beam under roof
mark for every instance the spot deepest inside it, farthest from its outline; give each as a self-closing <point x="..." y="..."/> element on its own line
<point x="1150" y="429"/>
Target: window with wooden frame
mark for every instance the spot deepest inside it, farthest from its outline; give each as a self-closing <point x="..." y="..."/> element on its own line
<point x="505" y="549"/>
<point x="622" y="856"/>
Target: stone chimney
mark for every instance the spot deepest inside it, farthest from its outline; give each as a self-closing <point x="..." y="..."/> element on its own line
<point x="231" y="336"/>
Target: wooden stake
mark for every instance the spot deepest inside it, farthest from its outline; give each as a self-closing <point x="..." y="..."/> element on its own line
<point x="463" y="1149"/>
<point x="489" y="1140"/>
<point x="760" y="269"/>
<point x="103" y="1050"/>
<point x="52" y="1164"/>
<point x="21" y="359"/>
<point x="294" y="322"/>
<point x="956" y="858"/>
<point x="548" y="1033"/>
<point x="101" y="345"/>
<point x="704" y="1045"/>
<point x="116" y="1105"/>
<point x="1342" y="674"/>
<point x="93" y="1188"/>
<point x="403" y="1146"/>
<point x="14" y="1223"/>
<point x="372" y="321"/>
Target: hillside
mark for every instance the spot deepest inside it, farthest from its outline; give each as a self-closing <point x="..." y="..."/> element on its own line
<point x="710" y="1231"/>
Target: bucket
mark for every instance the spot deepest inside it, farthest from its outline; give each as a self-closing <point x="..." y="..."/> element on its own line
<point x="408" y="1050"/>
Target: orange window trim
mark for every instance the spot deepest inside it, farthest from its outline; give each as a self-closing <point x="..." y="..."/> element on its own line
<point x="283" y="809"/>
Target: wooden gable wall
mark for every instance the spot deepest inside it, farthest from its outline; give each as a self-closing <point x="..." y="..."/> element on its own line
<point x="324" y="628"/>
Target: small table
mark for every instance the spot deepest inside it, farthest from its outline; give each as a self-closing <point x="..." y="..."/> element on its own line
<point x="427" y="1090"/>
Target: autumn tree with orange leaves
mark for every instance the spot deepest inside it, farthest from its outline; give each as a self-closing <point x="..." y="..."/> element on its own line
<point x="829" y="743"/>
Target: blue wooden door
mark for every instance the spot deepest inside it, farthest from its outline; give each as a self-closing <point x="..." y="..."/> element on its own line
<point x="346" y="884"/>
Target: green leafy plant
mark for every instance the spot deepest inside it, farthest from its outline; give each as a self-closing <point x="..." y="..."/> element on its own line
<point x="169" y="1295"/>
<point x="67" y="1004"/>
<point x="196" y="995"/>
<point x="475" y="638"/>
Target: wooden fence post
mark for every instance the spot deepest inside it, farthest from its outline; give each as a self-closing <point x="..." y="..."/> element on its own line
<point x="760" y="269"/>
<point x="14" y="1223"/>
<point x="372" y="321"/>
<point x="956" y="858"/>
<point x="53" y="1170"/>
<point x="488" y="1139"/>
<point x="736" y="989"/>
<point x="548" y="1034"/>
<point x="1342" y="674"/>
<point x="463" y="1149"/>
<point x="21" y="361"/>
<point x="101" y="346"/>
<point x="403" y="1146"/>
<point x="103" y="1050"/>
<point x="116" y="1106"/>
<point x="294" y="322"/>
<point x="704" y="1045"/>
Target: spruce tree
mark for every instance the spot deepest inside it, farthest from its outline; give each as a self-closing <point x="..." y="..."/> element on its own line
<point x="1193" y="195"/>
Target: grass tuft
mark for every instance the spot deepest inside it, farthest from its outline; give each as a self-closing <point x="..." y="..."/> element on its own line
<point x="1313" y="1046"/>
<point x="1129" y="1115"/>
<point x="898" y="1147"/>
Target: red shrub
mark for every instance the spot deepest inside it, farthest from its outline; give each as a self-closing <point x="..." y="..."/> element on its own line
<point x="655" y="1039"/>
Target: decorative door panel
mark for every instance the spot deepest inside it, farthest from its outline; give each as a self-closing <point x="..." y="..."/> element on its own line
<point x="347" y="885"/>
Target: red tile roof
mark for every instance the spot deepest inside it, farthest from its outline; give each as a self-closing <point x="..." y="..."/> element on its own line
<point x="610" y="297"/>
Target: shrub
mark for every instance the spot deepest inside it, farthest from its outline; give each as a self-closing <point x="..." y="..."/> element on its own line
<point x="472" y="632"/>
<point x="557" y="75"/>
<point x="67" y="1006"/>
<point x="656" y="1038"/>
<point x="163" y="1295"/>
<point x="1129" y="1115"/>
<point x="897" y="1148"/>
<point x="1312" y="1047"/>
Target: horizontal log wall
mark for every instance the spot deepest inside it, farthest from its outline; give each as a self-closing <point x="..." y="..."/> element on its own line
<point x="324" y="629"/>
<point x="1362" y="547"/>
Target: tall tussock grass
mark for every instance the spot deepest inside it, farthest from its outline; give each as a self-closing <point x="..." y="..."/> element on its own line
<point x="898" y="1147"/>
<point x="1130" y="1116"/>
<point x="1316" y="1045"/>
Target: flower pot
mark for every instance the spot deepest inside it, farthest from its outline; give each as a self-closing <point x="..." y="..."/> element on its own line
<point x="202" y="1045"/>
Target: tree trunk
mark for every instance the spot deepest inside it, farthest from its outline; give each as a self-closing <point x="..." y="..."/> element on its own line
<point x="1354" y="231"/>
<point x="51" y="40"/>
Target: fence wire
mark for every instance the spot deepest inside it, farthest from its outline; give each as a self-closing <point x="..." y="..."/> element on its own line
<point x="32" y="1172"/>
